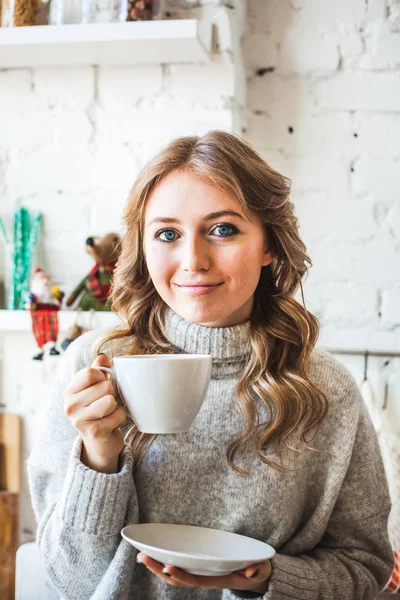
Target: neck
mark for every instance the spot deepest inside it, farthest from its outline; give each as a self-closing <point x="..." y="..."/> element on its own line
<point x="229" y="346"/>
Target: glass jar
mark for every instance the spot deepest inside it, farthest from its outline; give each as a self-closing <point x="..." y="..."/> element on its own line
<point x="2" y="277"/>
<point x="23" y="13"/>
<point x="105" y="11"/>
<point x="181" y="9"/>
<point x="158" y="9"/>
<point x="65" y="12"/>
<point x="139" y="10"/>
<point x="6" y="13"/>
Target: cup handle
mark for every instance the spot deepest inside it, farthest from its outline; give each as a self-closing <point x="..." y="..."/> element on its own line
<point x="107" y="370"/>
<point x="114" y="378"/>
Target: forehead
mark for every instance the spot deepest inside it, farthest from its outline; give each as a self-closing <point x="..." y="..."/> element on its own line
<point x="181" y="194"/>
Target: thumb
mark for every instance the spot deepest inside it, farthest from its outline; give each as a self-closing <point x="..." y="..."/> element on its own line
<point x="101" y="360"/>
<point x="259" y="572"/>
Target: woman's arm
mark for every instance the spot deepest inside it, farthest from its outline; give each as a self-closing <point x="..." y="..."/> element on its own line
<point x="80" y="511"/>
<point x="352" y="565"/>
<point x="354" y="559"/>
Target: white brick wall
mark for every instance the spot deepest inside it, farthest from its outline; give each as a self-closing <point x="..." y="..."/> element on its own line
<point x="324" y="109"/>
<point x="323" y="106"/>
<point x="72" y="141"/>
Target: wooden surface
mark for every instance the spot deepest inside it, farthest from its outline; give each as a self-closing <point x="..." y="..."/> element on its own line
<point x="9" y="511"/>
<point x="10" y="468"/>
<point x="10" y="452"/>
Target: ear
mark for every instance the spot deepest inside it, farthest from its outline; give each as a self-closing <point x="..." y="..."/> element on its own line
<point x="268" y="257"/>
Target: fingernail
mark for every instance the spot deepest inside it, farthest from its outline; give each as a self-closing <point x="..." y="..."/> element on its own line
<point x="138" y="560"/>
<point x="256" y="572"/>
<point x="166" y="573"/>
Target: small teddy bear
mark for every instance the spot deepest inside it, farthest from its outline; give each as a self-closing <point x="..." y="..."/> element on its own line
<point x="96" y="286"/>
<point x="44" y="301"/>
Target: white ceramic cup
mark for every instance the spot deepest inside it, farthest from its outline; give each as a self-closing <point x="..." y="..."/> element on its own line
<point x="162" y="392"/>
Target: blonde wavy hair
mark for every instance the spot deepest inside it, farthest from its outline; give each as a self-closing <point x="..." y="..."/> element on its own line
<point x="283" y="332"/>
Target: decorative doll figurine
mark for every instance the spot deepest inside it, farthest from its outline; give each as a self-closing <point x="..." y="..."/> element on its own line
<point x="44" y="302"/>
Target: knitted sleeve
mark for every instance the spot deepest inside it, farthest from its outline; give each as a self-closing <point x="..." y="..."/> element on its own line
<point x="354" y="559"/>
<point x="80" y="512"/>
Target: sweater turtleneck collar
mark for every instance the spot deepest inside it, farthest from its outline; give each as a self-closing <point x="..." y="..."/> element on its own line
<point x="228" y="346"/>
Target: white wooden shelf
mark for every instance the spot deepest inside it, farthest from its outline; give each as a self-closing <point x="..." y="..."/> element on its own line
<point x="19" y="321"/>
<point x="142" y="42"/>
<point x="14" y="321"/>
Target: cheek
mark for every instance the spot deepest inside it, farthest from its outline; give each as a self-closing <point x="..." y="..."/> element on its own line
<point x="159" y="265"/>
<point x="244" y="265"/>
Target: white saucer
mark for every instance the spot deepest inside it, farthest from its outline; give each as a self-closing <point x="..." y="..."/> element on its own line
<point x="197" y="550"/>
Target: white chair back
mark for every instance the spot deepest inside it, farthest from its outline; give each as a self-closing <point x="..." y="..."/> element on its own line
<point x="30" y="579"/>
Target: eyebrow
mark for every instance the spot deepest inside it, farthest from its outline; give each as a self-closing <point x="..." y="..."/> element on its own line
<point x="209" y="217"/>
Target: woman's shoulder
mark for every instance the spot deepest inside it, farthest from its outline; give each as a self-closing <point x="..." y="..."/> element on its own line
<point x="345" y="404"/>
<point x="84" y="349"/>
<point x="333" y="377"/>
<point x="81" y="349"/>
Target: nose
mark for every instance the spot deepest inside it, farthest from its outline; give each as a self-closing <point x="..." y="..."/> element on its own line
<point x="90" y="241"/>
<point x="195" y="256"/>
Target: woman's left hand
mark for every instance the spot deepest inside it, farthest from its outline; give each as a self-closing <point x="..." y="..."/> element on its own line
<point x="253" y="579"/>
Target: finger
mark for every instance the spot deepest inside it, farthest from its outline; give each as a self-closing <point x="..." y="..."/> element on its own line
<point x="84" y="379"/>
<point x="157" y="568"/>
<point x="235" y="580"/>
<point x="73" y="403"/>
<point x="143" y="559"/>
<point x="101" y="360"/>
<point x="110" y="423"/>
<point x="103" y="407"/>
<point x="232" y="581"/>
<point x="258" y="572"/>
<point x="260" y="567"/>
<point x="93" y="393"/>
<point x="102" y="428"/>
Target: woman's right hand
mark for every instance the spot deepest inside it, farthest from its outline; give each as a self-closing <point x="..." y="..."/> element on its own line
<point x="90" y="404"/>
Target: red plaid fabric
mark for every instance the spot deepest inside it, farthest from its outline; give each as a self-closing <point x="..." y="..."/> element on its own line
<point x="393" y="585"/>
<point x="45" y="324"/>
<point x="100" y="280"/>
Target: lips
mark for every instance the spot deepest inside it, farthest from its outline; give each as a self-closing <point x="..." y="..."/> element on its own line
<point x="199" y="289"/>
<point x="197" y="285"/>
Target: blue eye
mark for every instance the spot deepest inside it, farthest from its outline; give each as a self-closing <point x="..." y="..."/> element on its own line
<point x="225" y="230"/>
<point x="169" y="235"/>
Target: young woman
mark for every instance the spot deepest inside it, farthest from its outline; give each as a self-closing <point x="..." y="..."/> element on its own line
<point x="283" y="449"/>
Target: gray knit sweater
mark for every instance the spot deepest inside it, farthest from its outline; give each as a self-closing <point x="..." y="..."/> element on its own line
<point x="327" y="519"/>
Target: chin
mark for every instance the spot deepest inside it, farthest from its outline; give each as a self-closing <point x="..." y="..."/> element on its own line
<point x="201" y="315"/>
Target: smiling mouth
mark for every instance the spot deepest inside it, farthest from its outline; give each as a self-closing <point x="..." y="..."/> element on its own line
<point x="199" y="289"/>
<point x="199" y="285"/>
